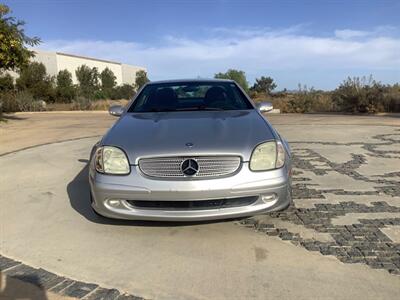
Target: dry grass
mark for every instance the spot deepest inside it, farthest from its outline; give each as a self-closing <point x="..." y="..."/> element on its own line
<point x="299" y="102"/>
<point x="94" y="105"/>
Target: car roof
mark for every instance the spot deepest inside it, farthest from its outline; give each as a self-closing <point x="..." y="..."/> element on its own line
<point x="197" y="80"/>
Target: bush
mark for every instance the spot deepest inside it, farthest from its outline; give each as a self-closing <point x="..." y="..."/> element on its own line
<point x="357" y="94"/>
<point x="125" y="91"/>
<point x="20" y="101"/>
<point x="26" y="102"/>
<point x="6" y="83"/>
<point x="100" y="94"/>
<point x="81" y="103"/>
<point x="391" y="98"/>
<point x="8" y="103"/>
<point x="303" y="100"/>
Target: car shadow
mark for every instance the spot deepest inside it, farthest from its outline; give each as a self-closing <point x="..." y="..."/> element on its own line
<point x="79" y="196"/>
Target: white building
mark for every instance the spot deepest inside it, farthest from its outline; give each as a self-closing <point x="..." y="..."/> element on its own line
<point x="57" y="61"/>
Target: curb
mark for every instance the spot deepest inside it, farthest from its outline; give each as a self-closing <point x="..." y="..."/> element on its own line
<point x="59" y="284"/>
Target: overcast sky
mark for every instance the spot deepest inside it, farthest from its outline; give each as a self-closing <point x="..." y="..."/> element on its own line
<point x="317" y="43"/>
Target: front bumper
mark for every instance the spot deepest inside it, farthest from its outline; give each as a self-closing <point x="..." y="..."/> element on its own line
<point x="271" y="189"/>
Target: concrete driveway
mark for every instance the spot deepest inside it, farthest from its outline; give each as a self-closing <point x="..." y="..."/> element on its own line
<point x="340" y="240"/>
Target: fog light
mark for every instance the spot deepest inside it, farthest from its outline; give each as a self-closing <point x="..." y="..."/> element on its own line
<point x="269" y="198"/>
<point x="114" y="203"/>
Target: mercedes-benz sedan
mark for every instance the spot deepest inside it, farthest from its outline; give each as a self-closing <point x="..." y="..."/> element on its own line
<point x="190" y="150"/>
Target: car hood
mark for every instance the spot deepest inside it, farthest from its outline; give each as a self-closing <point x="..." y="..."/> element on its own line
<point x="189" y="133"/>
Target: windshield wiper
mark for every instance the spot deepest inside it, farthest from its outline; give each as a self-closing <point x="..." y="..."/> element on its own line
<point x="201" y="107"/>
<point x="161" y="109"/>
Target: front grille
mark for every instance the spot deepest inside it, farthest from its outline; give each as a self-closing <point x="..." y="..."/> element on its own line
<point x="193" y="205"/>
<point x="208" y="166"/>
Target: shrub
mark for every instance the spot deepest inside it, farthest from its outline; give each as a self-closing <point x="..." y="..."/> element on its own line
<point x="125" y="91"/>
<point x="303" y="100"/>
<point x="8" y="103"/>
<point x="26" y="102"/>
<point x="20" y="101"/>
<point x="6" y="83"/>
<point x="100" y="94"/>
<point x="81" y="103"/>
<point x="391" y="98"/>
<point x="360" y="95"/>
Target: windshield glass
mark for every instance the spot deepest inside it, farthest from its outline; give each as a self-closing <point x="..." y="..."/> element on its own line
<point x="189" y="96"/>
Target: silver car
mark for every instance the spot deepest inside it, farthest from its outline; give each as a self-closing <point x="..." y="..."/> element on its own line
<point x="188" y="150"/>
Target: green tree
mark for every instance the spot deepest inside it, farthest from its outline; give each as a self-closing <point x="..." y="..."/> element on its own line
<point x="34" y="79"/>
<point x="108" y="82"/>
<point x="13" y="51"/>
<point x="264" y="85"/>
<point x="125" y="91"/>
<point x="88" y="79"/>
<point x="141" y="79"/>
<point x="236" y="75"/>
<point x="65" y="88"/>
<point x="6" y="83"/>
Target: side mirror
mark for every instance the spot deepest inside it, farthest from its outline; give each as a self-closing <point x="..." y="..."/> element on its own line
<point x="116" y="110"/>
<point x="264" y="106"/>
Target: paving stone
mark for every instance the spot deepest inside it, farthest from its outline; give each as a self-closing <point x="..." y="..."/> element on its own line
<point x="128" y="297"/>
<point x="79" y="289"/>
<point x="58" y="284"/>
<point x="61" y="286"/>
<point x="103" y="294"/>
<point x="362" y="242"/>
<point x="6" y="263"/>
<point x="21" y="272"/>
<point x="47" y="279"/>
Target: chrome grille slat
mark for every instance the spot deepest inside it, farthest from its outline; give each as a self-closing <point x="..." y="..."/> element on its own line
<point x="170" y="167"/>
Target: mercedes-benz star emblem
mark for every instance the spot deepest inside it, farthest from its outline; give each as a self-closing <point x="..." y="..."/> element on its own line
<point x="189" y="167"/>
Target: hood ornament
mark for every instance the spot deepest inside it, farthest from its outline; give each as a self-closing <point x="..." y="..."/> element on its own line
<point x="190" y="145"/>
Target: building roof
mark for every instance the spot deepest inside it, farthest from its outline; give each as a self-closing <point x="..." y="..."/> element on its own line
<point x="191" y="80"/>
<point x="90" y="58"/>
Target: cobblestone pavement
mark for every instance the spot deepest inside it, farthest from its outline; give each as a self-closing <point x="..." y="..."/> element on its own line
<point x="58" y="284"/>
<point x="349" y="209"/>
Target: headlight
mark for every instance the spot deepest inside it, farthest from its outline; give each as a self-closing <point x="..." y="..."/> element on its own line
<point x="111" y="160"/>
<point x="268" y="156"/>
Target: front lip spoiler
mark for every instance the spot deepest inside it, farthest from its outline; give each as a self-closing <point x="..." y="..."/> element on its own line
<point x="127" y="212"/>
<point x="187" y="216"/>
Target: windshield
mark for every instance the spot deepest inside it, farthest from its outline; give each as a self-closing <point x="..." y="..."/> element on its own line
<point x="189" y="96"/>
